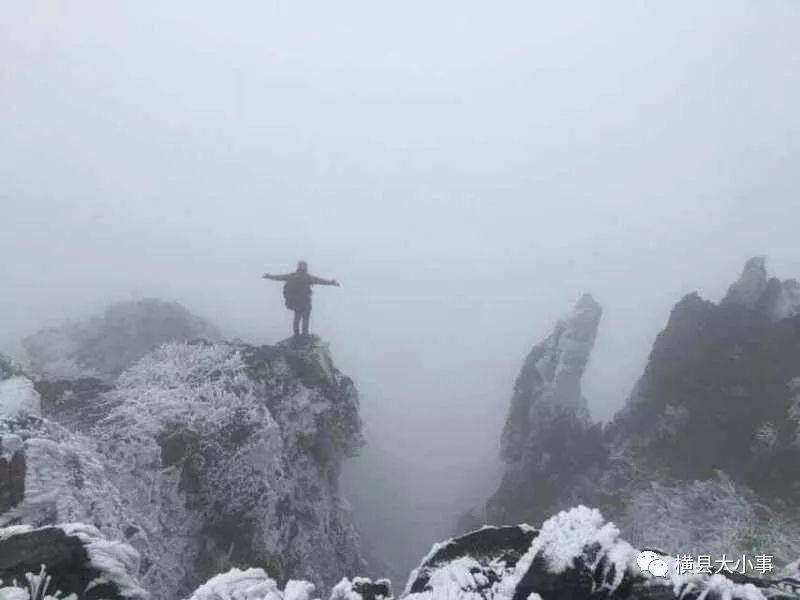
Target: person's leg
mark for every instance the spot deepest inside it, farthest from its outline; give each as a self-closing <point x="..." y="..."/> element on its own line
<point x="296" y="325"/>
<point x="306" y="318"/>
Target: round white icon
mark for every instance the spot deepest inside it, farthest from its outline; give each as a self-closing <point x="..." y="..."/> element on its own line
<point x="645" y="558"/>
<point x="658" y="568"/>
<point x="650" y="562"/>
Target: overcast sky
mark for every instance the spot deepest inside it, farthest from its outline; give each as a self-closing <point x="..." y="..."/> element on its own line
<point x="465" y="169"/>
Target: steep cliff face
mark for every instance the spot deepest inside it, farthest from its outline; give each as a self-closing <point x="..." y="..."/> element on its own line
<point x="202" y="457"/>
<point x="549" y="438"/>
<point x="706" y="451"/>
<point x="719" y="392"/>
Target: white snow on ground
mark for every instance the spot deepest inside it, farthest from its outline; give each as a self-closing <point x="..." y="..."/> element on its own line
<point x="18" y="398"/>
<point x="252" y="584"/>
<point x="570" y="535"/>
<point x="298" y="590"/>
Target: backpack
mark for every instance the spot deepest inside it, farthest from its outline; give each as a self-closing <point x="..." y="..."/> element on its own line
<point x="294" y="293"/>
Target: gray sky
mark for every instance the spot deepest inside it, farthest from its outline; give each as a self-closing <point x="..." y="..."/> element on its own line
<point x="465" y="169"/>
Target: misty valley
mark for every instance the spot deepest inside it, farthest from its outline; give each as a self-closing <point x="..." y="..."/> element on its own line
<point x="145" y="455"/>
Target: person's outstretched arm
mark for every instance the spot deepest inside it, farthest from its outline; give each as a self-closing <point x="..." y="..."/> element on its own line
<point x="286" y="277"/>
<point x="321" y="281"/>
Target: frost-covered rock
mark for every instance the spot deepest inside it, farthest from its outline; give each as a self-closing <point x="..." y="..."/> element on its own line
<point x="73" y="559"/>
<point x="576" y="555"/>
<point x="104" y="346"/>
<point x="471" y="565"/>
<point x="549" y="438"/>
<point x="718" y="391"/>
<point x="204" y="457"/>
<point x="66" y="479"/>
<point x="255" y="584"/>
<point x="251" y="584"/>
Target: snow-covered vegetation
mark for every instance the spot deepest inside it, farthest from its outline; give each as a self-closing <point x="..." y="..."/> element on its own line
<point x="207" y="456"/>
<point x="35" y="587"/>
<point x="715" y="516"/>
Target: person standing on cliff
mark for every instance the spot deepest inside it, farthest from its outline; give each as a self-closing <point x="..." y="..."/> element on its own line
<point x="297" y="293"/>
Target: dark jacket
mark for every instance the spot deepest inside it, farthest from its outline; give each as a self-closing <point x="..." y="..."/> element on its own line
<point x="298" y="286"/>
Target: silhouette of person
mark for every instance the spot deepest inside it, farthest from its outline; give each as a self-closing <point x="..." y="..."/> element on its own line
<point x="297" y="293"/>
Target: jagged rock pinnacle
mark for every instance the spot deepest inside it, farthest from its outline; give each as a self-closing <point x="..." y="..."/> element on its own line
<point x="773" y="298"/>
<point x="549" y="437"/>
<point x="551" y="374"/>
<point x="750" y="286"/>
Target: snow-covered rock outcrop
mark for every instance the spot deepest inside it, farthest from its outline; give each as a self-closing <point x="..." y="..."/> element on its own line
<point x="105" y="345"/>
<point x="251" y="584"/>
<point x="203" y="457"/>
<point x="576" y="555"/>
<point x="548" y="433"/>
<point x="71" y="559"/>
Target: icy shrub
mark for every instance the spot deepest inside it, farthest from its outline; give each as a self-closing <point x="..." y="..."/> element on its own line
<point x="37" y="589"/>
<point x="713" y="516"/>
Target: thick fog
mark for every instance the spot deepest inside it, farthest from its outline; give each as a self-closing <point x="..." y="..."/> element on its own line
<point x="466" y="170"/>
